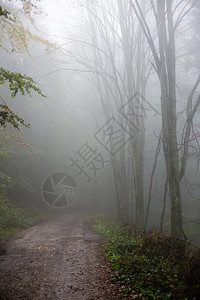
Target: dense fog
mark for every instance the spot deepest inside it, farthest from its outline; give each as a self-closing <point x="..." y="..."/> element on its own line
<point x="96" y="139"/>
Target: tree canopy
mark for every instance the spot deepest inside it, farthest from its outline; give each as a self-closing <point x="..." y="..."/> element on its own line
<point x="16" y="82"/>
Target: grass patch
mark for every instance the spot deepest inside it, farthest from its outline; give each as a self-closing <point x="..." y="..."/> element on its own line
<point x="150" y="267"/>
<point x="14" y="218"/>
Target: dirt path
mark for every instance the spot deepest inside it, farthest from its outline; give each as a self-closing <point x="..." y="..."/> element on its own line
<point x="58" y="259"/>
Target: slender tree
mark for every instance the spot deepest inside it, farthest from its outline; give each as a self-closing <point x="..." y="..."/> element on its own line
<point x="120" y="67"/>
<point x="164" y="53"/>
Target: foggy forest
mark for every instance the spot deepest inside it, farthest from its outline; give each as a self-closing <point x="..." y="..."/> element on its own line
<point x="100" y="149"/>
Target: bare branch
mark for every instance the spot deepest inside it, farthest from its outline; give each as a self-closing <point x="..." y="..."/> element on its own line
<point x="146" y="31"/>
<point x="183" y="14"/>
<point x="190" y="112"/>
<point x="151" y="180"/>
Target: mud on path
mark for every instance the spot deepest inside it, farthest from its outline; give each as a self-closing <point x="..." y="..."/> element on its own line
<point x="57" y="259"/>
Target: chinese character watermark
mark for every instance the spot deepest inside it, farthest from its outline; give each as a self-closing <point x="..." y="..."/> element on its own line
<point x="112" y="136"/>
<point x="88" y="161"/>
<point x="134" y="110"/>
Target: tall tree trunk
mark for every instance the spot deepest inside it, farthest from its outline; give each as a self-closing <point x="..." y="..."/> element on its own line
<point x="167" y="76"/>
<point x="133" y="51"/>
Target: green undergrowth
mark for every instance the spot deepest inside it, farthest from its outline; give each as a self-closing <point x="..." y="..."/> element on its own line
<point x="14" y="218"/>
<point x="150" y="267"/>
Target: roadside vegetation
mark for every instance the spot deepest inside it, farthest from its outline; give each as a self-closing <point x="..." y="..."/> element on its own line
<point x="18" y="206"/>
<point x="14" y="218"/>
<point x="151" y="266"/>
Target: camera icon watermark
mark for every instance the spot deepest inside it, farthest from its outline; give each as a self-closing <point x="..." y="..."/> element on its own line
<point x="59" y="190"/>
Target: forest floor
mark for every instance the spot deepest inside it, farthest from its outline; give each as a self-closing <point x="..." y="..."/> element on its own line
<point x="59" y="259"/>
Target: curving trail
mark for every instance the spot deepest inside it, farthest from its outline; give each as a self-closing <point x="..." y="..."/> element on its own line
<point x="59" y="259"/>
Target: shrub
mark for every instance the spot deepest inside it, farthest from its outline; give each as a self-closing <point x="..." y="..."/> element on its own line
<point x="151" y="266"/>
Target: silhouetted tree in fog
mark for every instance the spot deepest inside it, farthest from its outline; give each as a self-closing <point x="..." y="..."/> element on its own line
<point x="164" y="53"/>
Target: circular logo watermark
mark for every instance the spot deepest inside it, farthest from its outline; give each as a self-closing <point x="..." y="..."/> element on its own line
<point x="59" y="190"/>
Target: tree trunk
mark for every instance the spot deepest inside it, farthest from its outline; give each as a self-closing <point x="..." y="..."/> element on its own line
<point x="167" y="78"/>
